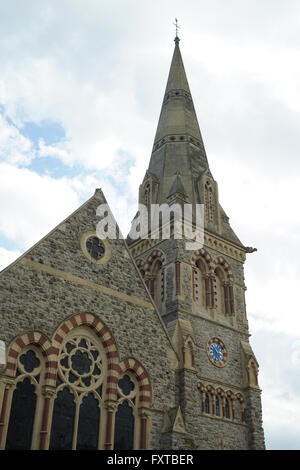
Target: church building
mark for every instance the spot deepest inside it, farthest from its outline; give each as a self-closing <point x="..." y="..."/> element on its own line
<point x="136" y="343"/>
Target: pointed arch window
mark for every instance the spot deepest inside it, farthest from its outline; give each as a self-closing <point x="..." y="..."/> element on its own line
<point x="227" y="408"/>
<point x="203" y="285"/>
<point x="125" y="419"/>
<point x="219" y="290"/>
<point x="228" y="299"/>
<point x="223" y="293"/>
<point x="207" y="404"/>
<point x="209" y="205"/>
<point x="25" y="399"/>
<point x="73" y="415"/>
<point x="217" y="409"/>
<point x="156" y="283"/>
<point x="78" y="404"/>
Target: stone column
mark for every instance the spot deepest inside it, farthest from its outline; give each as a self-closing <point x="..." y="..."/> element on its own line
<point x="111" y="407"/>
<point x="144" y="419"/>
<point x="8" y="383"/>
<point x="49" y="394"/>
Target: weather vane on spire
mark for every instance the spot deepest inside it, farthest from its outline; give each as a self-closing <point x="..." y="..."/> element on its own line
<point x="176" y="27"/>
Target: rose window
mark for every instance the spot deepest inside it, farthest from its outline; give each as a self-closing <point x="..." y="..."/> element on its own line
<point x="81" y="363"/>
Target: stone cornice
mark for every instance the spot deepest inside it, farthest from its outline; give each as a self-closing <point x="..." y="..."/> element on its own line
<point x="213" y="241"/>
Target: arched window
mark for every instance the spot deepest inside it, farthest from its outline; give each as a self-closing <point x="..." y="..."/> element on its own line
<point x="227" y="408"/>
<point x="26" y="396"/>
<point x="209" y="204"/>
<point x="156" y="283"/>
<point x="77" y="407"/>
<point x="228" y="299"/>
<point x="60" y="394"/>
<point x="207" y="404"/>
<point x="217" y="409"/>
<point x="126" y="413"/>
<point x="219" y="290"/>
<point x="203" y="287"/>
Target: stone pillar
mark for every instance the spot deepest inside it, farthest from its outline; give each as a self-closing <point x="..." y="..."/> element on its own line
<point x="111" y="407"/>
<point x="4" y="411"/>
<point x="49" y="394"/>
<point x="144" y="420"/>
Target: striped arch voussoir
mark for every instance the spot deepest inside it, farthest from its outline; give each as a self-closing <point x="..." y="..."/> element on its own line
<point x="222" y="262"/>
<point x="145" y="396"/>
<point x="155" y="255"/>
<point x="202" y="253"/>
<point x="101" y="331"/>
<point x="36" y="338"/>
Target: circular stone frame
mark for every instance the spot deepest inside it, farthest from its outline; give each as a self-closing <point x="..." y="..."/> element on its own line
<point x="107" y="254"/>
<point x="224" y="359"/>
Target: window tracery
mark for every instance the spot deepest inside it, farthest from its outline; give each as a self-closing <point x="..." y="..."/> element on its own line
<point x="77" y="407"/>
<point x="25" y="399"/>
<point x="78" y="410"/>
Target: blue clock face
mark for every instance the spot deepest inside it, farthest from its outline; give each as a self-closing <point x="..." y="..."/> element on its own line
<point x="216" y="352"/>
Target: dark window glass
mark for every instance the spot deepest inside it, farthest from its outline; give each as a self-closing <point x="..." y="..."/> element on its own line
<point x="126" y="385"/>
<point x="88" y="424"/>
<point x="29" y="361"/>
<point x="206" y="404"/>
<point x="217" y="406"/>
<point x="124" y="427"/>
<point x="81" y="362"/>
<point x="63" y="421"/>
<point x="227" y="409"/>
<point x="95" y="248"/>
<point x="21" y="419"/>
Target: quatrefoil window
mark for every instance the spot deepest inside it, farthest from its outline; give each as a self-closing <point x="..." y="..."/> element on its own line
<point x="29" y="361"/>
<point x="95" y="248"/>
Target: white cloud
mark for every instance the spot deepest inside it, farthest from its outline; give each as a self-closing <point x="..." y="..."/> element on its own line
<point x="31" y="205"/>
<point x="7" y="257"/>
<point x="14" y="147"/>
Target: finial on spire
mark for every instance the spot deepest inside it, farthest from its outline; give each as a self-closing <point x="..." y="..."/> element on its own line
<point x="176" y="29"/>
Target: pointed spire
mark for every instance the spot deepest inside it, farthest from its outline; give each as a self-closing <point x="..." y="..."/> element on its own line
<point x="178" y="116"/>
<point x="178" y="146"/>
<point x="177" y="77"/>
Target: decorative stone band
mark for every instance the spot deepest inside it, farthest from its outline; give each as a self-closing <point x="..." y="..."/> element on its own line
<point x="86" y="283"/>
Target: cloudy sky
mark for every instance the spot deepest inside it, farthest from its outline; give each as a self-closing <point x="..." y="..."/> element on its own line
<point x="81" y="86"/>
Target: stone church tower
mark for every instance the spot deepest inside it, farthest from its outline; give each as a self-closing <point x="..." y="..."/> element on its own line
<point x="136" y="344"/>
